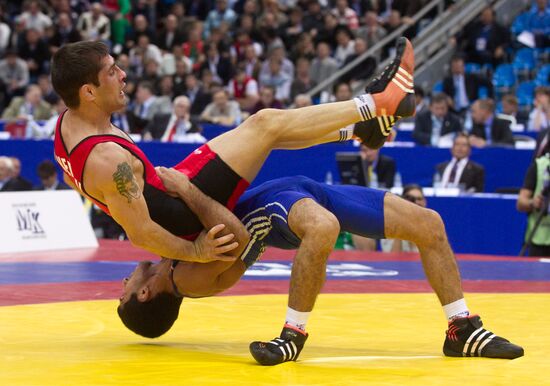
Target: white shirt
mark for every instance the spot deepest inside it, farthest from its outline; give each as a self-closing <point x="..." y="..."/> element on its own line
<point x="447" y="172"/>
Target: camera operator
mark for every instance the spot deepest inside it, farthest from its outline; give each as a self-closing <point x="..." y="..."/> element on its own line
<point x="533" y="199"/>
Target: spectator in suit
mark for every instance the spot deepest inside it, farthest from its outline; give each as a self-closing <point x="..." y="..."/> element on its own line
<point x="432" y="126"/>
<point x="147" y="105"/>
<point x="47" y="172"/>
<point x="30" y="107"/>
<point x="420" y="97"/>
<point x="35" y="52"/>
<point x="175" y="127"/>
<point x="170" y="36"/>
<point x="219" y="65"/>
<point x="323" y="65"/>
<point x="485" y="40"/>
<point x="277" y="79"/>
<point x="488" y="129"/>
<point x="14" y="75"/>
<point x="465" y="88"/>
<point x="222" y="111"/>
<point x="64" y="33"/>
<point x="197" y="94"/>
<point x="10" y="180"/>
<point x="380" y="168"/>
<point x="365" y="69"/>
<point x="539" y="118"/>
<point x="510" y="111"/>
<point x="460" y="171"/>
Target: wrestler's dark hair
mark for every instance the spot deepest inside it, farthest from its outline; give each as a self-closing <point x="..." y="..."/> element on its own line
<point x="74" y="65"/>
<point x="152" y="318"/>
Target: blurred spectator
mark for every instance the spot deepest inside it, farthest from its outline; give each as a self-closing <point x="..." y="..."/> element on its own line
<point x="414" y="194"/>
<point x="394" y="22"/>
<point x="342" y="92"/>
<point x="48" y="93"/>
<point x="345" y="45"/>
<point x="302" y="100"/>
<point x="238" y="47"/>
<point x="510" y="111"/>
<point x="267" y="100"/>
<point x="485" y="41"/>
<point x="302" y="82"/>
<point x="488" y="129"/>
<point x="328" y="32"/>
<point x="420" y="97"/>
<point x="278" y="53"/>
<point x="465" y="88"/>
<point x="47" y="130"/>
<point x="303" y="47"/>
<point x="29" y="107"/>
<point x="538" y="22"/>
<point x="277" y="79"/>
<point x="380" y="168"/>
<point x="220" y="66"/>
<point x="170" y="36"/>
<point x="123" y="120"/>
<point x="363" y="70"/>
<point x="170" y="61"/>
<point x="5" y="32"/>
<point x="6" y="168"/>
<point x="176" y="126"/>
<point x="313" y="19"/>
<point x="293" y="28"/>
<point x="539" y="118"/>
<point x="372" y="32"/>
<point x="34" y="18"/>
<point x="64" y="33"/>
<point x="198" y="8"/>
<point x="323" y="66"/>
<point x="36" y="53"/>
<point x="437" y="125"/>
<point x="17" y="183"/>
<point x="215" y="17"/>
<point x="17" y="38"/>
<point x="460" y="171"/>
<point x="197" y="94"/>
<point x="143" y="52"/>
<point x="222" y="111"/>
<point x="407" y="8"/>
<point x="193" y="48"/>
<point x="345" y="15"/>
<point x="532" y="199"/>
<point x="94" y="25"/>
<point x="147" y="105"/>
<point x="47" y="173"/>
<point x="243" y="89"/>
<point x="251" y="62"/>
<point x="14" y="75"/>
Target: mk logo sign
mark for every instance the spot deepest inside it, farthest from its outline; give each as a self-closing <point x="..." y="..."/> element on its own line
<point x="28" y="221"/>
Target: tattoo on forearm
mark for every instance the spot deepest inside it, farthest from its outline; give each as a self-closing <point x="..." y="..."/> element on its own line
<point x="125" y="182"/>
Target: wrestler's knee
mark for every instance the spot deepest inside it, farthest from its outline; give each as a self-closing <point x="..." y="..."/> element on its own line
<point x="264" y="121"/>
<point x="323" y="230"/>
<point x="433" y="228"/>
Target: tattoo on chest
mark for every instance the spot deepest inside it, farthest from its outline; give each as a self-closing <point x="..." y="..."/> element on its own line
<point x="125" y="182"/>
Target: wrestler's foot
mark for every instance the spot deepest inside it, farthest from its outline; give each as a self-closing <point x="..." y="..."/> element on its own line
<point x="393" y="89"/>
<point x="374" y="132"/>
<point x="466" y="337"/>
<point x="283" y="349"/>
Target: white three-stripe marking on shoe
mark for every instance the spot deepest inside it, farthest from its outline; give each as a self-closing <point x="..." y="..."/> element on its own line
<point x="403" y="80"/>
<point x="470" y="338"/>
<point x="405" y="73"/>
<point x="477" y="342"/>
<point x="405" y="89"/>
<point x="485" y="343"/>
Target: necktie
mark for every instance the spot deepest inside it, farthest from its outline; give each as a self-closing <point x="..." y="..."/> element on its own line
<point x="452" y="176"/>
<point x="369" y="174"/>
<point x="173" y="130"/>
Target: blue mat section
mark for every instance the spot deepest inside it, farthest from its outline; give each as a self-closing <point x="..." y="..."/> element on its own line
<point x="30" y="273"/>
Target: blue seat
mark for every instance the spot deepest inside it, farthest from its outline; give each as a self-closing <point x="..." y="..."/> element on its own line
<point x="524" y="61"/>
<point x="542" y="76"/>
<point x="520" y="23"/>
<point x="472" y="68"/>
<point x="438" y="87"/>
<point x="525" y="93"/>
<point x="504" y="77"/>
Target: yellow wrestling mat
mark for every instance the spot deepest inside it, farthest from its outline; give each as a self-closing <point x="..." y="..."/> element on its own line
<point x="381" y="339"/>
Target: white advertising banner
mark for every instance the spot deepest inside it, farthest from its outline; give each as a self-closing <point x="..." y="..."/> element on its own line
<point x="42" y="221"/>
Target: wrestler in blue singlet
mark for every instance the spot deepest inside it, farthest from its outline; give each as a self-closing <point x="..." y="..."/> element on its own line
<point x="264" y="211"/>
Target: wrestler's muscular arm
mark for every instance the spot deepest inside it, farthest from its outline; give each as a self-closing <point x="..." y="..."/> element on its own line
<point x="111" y="175"/>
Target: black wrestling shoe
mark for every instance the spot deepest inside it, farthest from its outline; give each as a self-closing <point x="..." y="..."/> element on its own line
<point x="279" y="350"/>
<point x="374" y="132"/>
<point x="393" y="89"/>
<point x="466" y="337"/>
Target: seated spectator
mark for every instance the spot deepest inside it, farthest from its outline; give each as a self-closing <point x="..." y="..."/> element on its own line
<point x="10" y="179"/>
<point x="175" y="127"/>
<point x="487" y="128"/>
<point x="144" y="52"/>
<point x="345" y="45"/>
<point x="222" y="13"/>
<point x="14" y="75"/>
<point x="313" y="19"/>
<point x="220" y="66"/>
<point x="380" y="168"/>
<point x="532" y="200"/>
<point x="277" y="53"/>
<point x="267" y="100"/>
<point x="222" y="111"/>
<point x="302" y="83"/>
<point x="420" y="97"/>
<point x="302" y="100"/>
<point x="372" y="32"/>
<point x="124" y="121"/>
<point x="5" y="32"/>
<point x="193" y="48"/>
<point x="485" y="41"/>
<point x="414" y="194"/>
<point x="460" y="171"/>
<point x="94" y="24"/>
<point x="346" y="16"/>
<point x="394" y="22"/>
<point x="342" y="92"/>
<point x="328" y="32"/>
<point x="435" y="126"/>
<point x="140" y="26"/>
<point x="147" y="105"/>
<point x="363" y="70"/>
<point x="243" y="89"/>
<point x="539" y="118"/>
<point x="64" y="33"/>
<point x="47" y="172"/>
<point x="30" y="107"/>
<point x="48" y="93"/>
<point x="36" y="53"/>
<point x="465" y="88"/>
<point x="197" y="94"/>
<point x="47" y="130"/>
<point x="170" y="36"/>
<point x="303" y="47"/>
<point x="171" y="60"/>
<point x="251" y="62"/>
<point x="323" y="66"/>
<point x="538" y="23"/>
<point x="34" y="18"/>
<point x="276" y="78"/>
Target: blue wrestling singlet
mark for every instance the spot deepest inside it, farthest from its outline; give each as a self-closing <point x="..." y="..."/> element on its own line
<point x="264" y="211"/>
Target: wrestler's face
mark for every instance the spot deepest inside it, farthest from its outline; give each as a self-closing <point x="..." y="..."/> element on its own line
<point x="138" y="280"/>
<point x="110" y="96"/>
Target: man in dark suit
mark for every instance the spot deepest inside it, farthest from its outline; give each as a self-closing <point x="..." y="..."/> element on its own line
<point x="198" y="96"/>
<point x="219" y="65"/>
<point x="174" y="127"/>
<point x="380" y="168"/>
<point x="465" y="88"/>
<point x="170" y="36"/>
<point x="487" y="128"/>
<point x="47" y="172"/>
<point x="460" y="171"/>
<point x="430" y="125"/>
<point x="10" y="180"/>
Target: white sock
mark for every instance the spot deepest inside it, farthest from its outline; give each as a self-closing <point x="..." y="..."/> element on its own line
<point x="456" y="309"/>
<point x="365" y="106"/>
<point x="296" y="318"/>
<point x="346" y="133"/>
